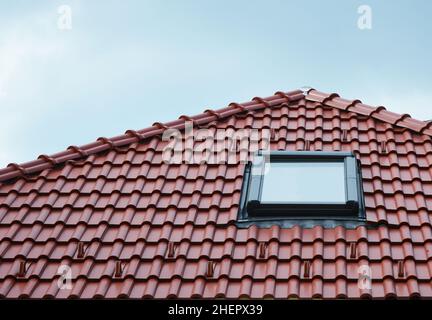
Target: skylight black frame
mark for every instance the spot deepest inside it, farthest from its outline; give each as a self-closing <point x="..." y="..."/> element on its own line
<point x="253" y="209"/>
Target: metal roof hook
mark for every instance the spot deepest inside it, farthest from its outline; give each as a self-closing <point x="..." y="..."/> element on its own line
<point x="81" y="250"/>
<point x="22" y="270"/>
<point x="118" y="269"/>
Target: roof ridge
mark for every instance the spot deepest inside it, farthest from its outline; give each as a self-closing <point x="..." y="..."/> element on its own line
<point x="43" y="162"/>
<point x="379" y="113"/>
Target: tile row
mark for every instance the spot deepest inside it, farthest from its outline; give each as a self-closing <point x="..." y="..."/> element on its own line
<point x="90" y="216"/>
<point x="187" y="186"/>
<point x="106" y="233"/>
<point x="256" y="269"/>
<point x="100" y="251"/>
<point x="114" y="217"/>
<point x="176" y="199"/>
<point x="292" y="288"/>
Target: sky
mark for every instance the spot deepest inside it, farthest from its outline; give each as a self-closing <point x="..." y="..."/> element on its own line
<point x="73" y="71"/>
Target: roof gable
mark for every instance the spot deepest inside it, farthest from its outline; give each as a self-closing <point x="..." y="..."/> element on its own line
<point x="129" y="225"/>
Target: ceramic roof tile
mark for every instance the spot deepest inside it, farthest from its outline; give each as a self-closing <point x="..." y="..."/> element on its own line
<point x="163" y="224"/>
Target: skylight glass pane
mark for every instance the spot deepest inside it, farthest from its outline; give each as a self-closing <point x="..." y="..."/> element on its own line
<point x="304" y="182"/>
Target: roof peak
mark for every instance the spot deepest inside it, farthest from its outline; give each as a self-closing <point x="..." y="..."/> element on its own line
<point x="306" y="89"/>
<point x="43" y="162"/>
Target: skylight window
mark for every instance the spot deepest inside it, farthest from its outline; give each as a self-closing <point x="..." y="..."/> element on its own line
<point x="287" y="185"/>
<point x="304" y="182"/>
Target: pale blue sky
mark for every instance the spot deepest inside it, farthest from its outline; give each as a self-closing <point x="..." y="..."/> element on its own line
<point x="127" y="64"/>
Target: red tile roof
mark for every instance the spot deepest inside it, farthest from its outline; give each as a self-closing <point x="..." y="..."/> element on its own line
<point x="130" y="225"/>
